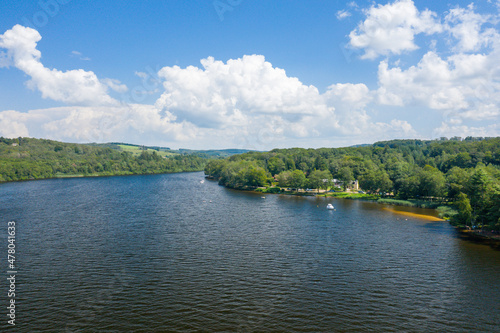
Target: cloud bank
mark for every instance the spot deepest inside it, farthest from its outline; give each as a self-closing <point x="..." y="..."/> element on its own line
<point x="249" y="103"/>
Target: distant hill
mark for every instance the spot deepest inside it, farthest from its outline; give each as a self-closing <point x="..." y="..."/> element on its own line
<point x="136" y="150"/>
<point x="165" y="151"/>
<point x="360" y="145"/>
<point x="215" y="153"/>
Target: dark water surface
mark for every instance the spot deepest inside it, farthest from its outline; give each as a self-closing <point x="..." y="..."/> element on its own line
<point x="167" y="253"/>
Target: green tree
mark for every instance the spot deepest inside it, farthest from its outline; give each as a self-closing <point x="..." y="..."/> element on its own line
<point x="255" y="176"/>
<point x="320" y="163"/>
<point x="275" y="165"/>
<point x="478" y="190"/>
<point x="384" y="183"/>
<point x="376" y="181"/>
<point x="214" y="168"/>
<point x="319" y="179"/>
<point x="462" y="160"/>
<point x="297" y="179"/>
<point x="464" y="215"/>
<point x="456" y="179"/>
<point x="346" y="176"/>
<point x="284" y="179"/>
<point x="431" y="182"/>
<point x="408" y="187"/>
<point x="493" y="212"/>
<point x="368" y="181"/>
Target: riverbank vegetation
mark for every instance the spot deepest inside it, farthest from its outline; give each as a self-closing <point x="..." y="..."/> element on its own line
<point x="27" y="158"/>
<point x="461" y="176"/>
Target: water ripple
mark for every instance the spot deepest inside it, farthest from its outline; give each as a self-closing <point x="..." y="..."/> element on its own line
<point x="165" y="253"/>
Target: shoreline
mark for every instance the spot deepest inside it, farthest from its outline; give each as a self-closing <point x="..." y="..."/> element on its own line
<point x="95" y="176"/>
<point x="480" y="237"/>
<point x="475" y="236"/>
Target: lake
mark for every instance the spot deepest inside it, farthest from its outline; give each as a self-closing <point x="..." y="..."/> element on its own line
<point x="170" y="253"/>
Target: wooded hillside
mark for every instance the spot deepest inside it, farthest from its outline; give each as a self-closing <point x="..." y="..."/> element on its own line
<point x="27" y="158"/>
<point x="465" y="171"/>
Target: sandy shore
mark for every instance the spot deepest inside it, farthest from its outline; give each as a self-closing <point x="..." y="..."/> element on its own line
<point x="414" y="215"/>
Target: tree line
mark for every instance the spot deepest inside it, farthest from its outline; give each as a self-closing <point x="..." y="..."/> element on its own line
<point x="466" y="172"/>
<point x="28" y="158"/>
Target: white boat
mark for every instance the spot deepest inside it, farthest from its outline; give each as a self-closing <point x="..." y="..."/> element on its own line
<point x="330" y="206"/>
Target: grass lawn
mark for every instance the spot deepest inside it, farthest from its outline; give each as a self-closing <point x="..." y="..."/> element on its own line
<point x="347" y="195"/>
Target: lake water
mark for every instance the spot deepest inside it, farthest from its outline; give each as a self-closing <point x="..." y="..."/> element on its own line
<point x="168" y="253"/>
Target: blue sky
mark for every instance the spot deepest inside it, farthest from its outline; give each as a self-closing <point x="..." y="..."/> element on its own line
<point x="249" y="74"/>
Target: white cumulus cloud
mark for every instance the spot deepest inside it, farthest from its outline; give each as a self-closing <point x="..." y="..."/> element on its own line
<point x="391" y="28"/>
<point x="467" y="27"/>
<point x="464" y="83"/>
<point x="72" y="87"/>
<point x="247" y="95"/>
<point x="220" y="94"/>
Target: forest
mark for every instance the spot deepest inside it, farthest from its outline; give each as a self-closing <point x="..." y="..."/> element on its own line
<point x="28" y="158"/>
<point x="462" y="173"/>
